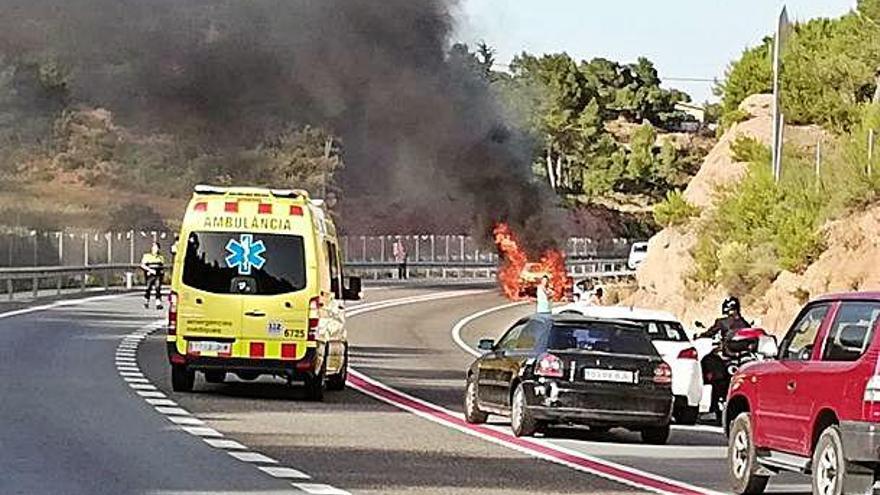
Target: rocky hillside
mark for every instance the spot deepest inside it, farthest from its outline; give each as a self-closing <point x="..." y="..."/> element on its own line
<point x="849" y="262"/>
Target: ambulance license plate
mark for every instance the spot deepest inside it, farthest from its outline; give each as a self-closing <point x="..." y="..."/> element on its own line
<point x="203" y="346"/>
<point x="617" y="376"/>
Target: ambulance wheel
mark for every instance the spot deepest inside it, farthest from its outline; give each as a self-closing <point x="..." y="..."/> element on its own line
<point x="215" y="376"/>
<point x="337" y="382"/>
<point x="182" y="378"/>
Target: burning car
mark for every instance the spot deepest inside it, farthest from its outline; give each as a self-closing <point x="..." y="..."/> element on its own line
<point x="519" y="277"/>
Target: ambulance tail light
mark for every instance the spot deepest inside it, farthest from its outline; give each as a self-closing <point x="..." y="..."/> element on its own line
<point x="296" y="211"/>
<point x="314" y="317"/>
<point x="264" y="209"/>
<point x="231" y="207"/>
<point x="172" y="313"/>
<point x="200" y="206"/>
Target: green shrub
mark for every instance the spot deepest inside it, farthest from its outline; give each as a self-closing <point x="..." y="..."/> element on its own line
<point x="674" y="210"/>
<point x="729" y="119"/>
<point x="746" y="149"/>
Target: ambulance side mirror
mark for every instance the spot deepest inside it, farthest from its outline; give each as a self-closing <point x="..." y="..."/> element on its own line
<point x="354" y="290"/>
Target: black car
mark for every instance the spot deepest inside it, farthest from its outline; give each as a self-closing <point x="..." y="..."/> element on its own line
<point x="565" y="369"/>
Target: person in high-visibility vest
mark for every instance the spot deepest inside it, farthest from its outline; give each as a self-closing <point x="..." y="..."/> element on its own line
<point x="153" y="265"/>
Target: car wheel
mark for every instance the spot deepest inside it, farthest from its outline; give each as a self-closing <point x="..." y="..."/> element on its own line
<point x="182" y="378"/>
<point x="337" y="382"/>
<point x="522" y="422"/>
<point x="830" y="473"/>
<point x="657" y="435"/>
<point x="687" y="415"/>
<point x="742" y="461"/>
<point x="472" y="412"/>
<point x="215" y="376"/>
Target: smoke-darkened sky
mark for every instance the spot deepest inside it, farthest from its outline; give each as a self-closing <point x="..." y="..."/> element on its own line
<point x="414" y="127"/>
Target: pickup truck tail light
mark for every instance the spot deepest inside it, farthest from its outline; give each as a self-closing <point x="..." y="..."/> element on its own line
<point x="549" y="366"/>
<point x="872" y="390"/>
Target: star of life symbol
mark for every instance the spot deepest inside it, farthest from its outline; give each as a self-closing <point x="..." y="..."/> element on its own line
<point x="245" y="254"/>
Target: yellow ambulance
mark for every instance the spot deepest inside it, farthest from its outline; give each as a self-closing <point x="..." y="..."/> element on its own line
<point x="258" y="288"/>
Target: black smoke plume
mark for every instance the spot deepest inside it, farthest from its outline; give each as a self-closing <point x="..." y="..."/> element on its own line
<point x="417" y="130"/>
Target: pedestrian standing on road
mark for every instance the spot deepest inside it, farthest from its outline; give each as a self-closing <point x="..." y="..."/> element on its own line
<point x="545" y="296"/>
<point x="400" y="258"/>
<point x="153" y="265"/>
<point x="598" y="297"/>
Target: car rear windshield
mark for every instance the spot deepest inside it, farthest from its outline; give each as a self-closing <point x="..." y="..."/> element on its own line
<point x="244" y="263"/>
<point x="601" y="337"/>
<point x="666" y="331"/>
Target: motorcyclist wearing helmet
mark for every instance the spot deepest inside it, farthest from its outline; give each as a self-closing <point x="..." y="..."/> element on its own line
<point x="728" y="324"/>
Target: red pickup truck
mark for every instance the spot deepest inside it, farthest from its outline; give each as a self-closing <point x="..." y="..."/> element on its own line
<point x="815" y="407"/>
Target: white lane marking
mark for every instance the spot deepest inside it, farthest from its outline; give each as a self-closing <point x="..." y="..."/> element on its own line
<point x="254" y="457"/>
<point x="202" y="431"/>
<point x="173" y="411"/>
<point x="631" y="476"/>
<point x="129" y="379"/>
<point x="59" y="304"/>
<point x="603" y="468"/>
<point x="137" y="374"/>
<point x="161" y="402"/>
<point x="142" y="386"/>
<point x="186" y="420"/>
<point x="284" y="472"/>
<point x="319" y="489"/>
<point x="153" y="394"/>
<point x="413" y="300"/>
<point x="457" y="328"/>
<point x="700" y="428"/>
<point x="225" y="444"/>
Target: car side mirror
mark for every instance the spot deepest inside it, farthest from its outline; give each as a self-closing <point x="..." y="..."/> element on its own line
<point x="354" y="291"/>
<point x="486" y="345"/>
<point x="768" y="347"/>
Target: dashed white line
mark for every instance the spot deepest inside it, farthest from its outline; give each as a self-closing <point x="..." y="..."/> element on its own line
<point x="186" y="420"/>
<point x="254" y="457"/>
<point x="142" y="386"/>
<point x="319" y="489"/>
<point x="161" y="402"/>
<point x="135" y="380"/>
<point x="175" y="411"/>
<point x="151" y="394"/>
<point x="225" y="444"/>
<point x="202" y="431"/>
<point x="284" y="472"/>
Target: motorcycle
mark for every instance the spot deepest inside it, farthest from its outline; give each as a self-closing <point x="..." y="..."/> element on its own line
<point x="719" y="361"/>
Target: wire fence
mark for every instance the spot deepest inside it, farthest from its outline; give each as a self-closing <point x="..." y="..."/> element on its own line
<point x="27" y="247"/>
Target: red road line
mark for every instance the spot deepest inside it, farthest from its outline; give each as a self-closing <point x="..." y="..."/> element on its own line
<point x="596" y="466"/>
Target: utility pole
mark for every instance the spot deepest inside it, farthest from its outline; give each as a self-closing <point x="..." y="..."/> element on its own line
<point x="782" y="29"/>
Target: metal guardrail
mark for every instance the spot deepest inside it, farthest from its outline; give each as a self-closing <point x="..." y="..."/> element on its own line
<point x="611" y="268"/>
<point x="34" y="279"/>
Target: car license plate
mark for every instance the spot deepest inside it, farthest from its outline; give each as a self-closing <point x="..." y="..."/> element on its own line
<point x="207" y="346"/>
<point x="617" y="376"/>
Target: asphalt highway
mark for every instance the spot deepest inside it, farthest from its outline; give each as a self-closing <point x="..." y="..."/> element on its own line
<point x="87" y="409"/>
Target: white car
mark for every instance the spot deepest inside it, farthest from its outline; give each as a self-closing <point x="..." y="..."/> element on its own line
<point x="637" y="255"/>
<point x="671" y="342"/>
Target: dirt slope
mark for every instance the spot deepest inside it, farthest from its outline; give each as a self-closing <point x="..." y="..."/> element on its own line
<point x="851" y="261"/>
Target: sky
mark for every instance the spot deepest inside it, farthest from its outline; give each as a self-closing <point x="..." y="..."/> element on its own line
<point x="684" y="38"/>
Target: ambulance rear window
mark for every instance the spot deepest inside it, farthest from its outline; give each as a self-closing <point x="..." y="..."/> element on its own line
<point x="244" y="263"/>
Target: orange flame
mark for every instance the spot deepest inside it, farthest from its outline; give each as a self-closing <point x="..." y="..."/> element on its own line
<point x="518" y="277"/>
